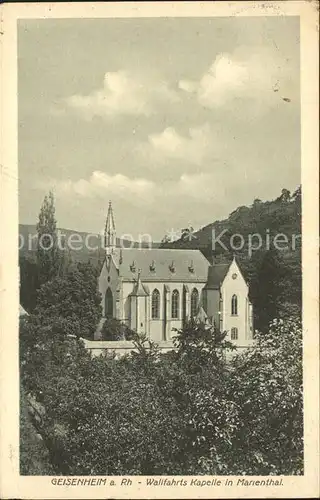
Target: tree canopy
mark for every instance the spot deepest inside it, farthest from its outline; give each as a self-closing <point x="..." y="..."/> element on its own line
<point x="174" y="413"/>
<point x="73" y="296"/>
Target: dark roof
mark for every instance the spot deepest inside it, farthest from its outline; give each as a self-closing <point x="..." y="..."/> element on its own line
<point x="163" y="264"/>
<point x="216" y="275"/>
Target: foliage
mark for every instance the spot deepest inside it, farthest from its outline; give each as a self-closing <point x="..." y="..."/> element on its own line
<point x="267" y="219"/>
<point x="264" y="289"/>
<point x="74" y="297"/>
<point x="182" y="412"/>
<point x="48" y="257"/>
<point x="34" y="459"/>
<point x="29" y="282"/>
<point x="199" y="345"/>
<point x="113" y="329"/>
<point x="266" y="384"/>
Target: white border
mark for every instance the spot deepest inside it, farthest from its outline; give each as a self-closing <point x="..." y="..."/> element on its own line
<point x="11" y="484"/>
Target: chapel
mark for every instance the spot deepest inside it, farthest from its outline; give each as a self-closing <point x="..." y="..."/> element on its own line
<point x="156" y="290"/>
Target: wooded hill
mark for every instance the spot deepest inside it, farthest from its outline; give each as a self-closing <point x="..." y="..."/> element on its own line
<point x="273" y="271"/>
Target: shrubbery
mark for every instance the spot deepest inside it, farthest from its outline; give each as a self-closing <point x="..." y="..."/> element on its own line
<point x="113" y="329"/>
<point x="73" y="297"/>
<point x="183" y="412"/>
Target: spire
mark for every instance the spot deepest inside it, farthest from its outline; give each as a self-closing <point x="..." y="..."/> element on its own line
<point x="139" y="289"/>
<point x="201" y="316"/>
<point x="110" y="232"/>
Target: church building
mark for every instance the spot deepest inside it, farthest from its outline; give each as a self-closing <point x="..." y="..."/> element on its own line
<point x="153" y="291"/>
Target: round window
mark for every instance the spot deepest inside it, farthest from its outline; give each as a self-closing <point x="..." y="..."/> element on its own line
<point x="234" y="276"/>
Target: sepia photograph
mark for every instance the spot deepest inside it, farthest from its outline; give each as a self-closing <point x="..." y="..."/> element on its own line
<point x="161" y="315"/>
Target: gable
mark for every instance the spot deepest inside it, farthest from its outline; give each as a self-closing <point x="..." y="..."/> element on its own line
<point x="109" y="269"/>
<point x="234" y="275"/>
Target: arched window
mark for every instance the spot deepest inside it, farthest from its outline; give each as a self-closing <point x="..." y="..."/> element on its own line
<point x="234" y="333"/>
<point x="234" y="305"/>
<point x="175" y="304"/>
<point x="155" y="304"/>
<point x="194" y="302"/>
<point x="108" y="306"/>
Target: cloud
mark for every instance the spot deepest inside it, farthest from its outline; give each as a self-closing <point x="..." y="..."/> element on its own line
<point x="197" y="186"/>
<point x="193" y="148"/>
<point x="135" y="191"/>
<point x="187" y="85"/>
<point x="123" y="94"/>
<point x="244" y="75"/>
<point x="118" y="185"/>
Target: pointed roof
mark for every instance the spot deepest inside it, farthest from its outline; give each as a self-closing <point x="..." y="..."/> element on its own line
<point x="138" y="289"/>
<point x="201" y="316"/>
<point x="216" y="275"/>
<point x="110" y="225"/>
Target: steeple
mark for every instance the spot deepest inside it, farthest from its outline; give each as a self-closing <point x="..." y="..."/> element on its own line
<point x="110" y="232"/>
<point x="139" y="289"/>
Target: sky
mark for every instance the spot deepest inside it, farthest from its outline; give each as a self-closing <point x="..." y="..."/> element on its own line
<point x="177" y="121"/>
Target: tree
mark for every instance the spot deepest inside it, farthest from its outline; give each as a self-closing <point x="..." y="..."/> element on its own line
<point x="151" y="413"/>
<point x="34" y="459"/>
<point x="113" y="329"/>
<point x="265" y="288"/>
<point x="256" y="203"/>
<point x="199" y="346"/>
<point x="285" y="196"/>
<point x="187" y="233"/>
<point x="297" y="195"/>
<point x="266" y="385"/>
<point x="28" y="281"/>
<point x="48" y="258"/>
<point x="74" y="297"/>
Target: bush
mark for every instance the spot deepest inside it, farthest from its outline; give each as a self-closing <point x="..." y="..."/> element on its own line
<point x="73" y="297"/>
<point x="266" y="384"/>
<point x="113" y="329"/>
<point x="183" y="412"/>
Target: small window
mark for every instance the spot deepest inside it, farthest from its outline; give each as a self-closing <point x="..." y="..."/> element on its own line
<point x="175" y="305"/>
<point x="234" y="305"/>
<point x="194" y="302"/>
<point x="155" y="305"/>
<point x="234" y="333"/>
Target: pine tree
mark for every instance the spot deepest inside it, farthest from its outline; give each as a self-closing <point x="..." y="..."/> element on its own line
<point x="48" y="256"/>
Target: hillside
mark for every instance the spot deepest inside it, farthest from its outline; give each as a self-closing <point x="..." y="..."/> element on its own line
<point x="273" y="270"/>
<point x="282" y="215"/>
<point x="81" y="252"/>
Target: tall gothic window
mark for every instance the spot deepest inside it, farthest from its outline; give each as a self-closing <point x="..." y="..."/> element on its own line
<point x="194" y="302"/>
<point x="234" y="333"/>
<point x="175" y="304"/>
<point x="108" y="308"/>
<point x="234" y="305"/>
<point x="155" y="304"/>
